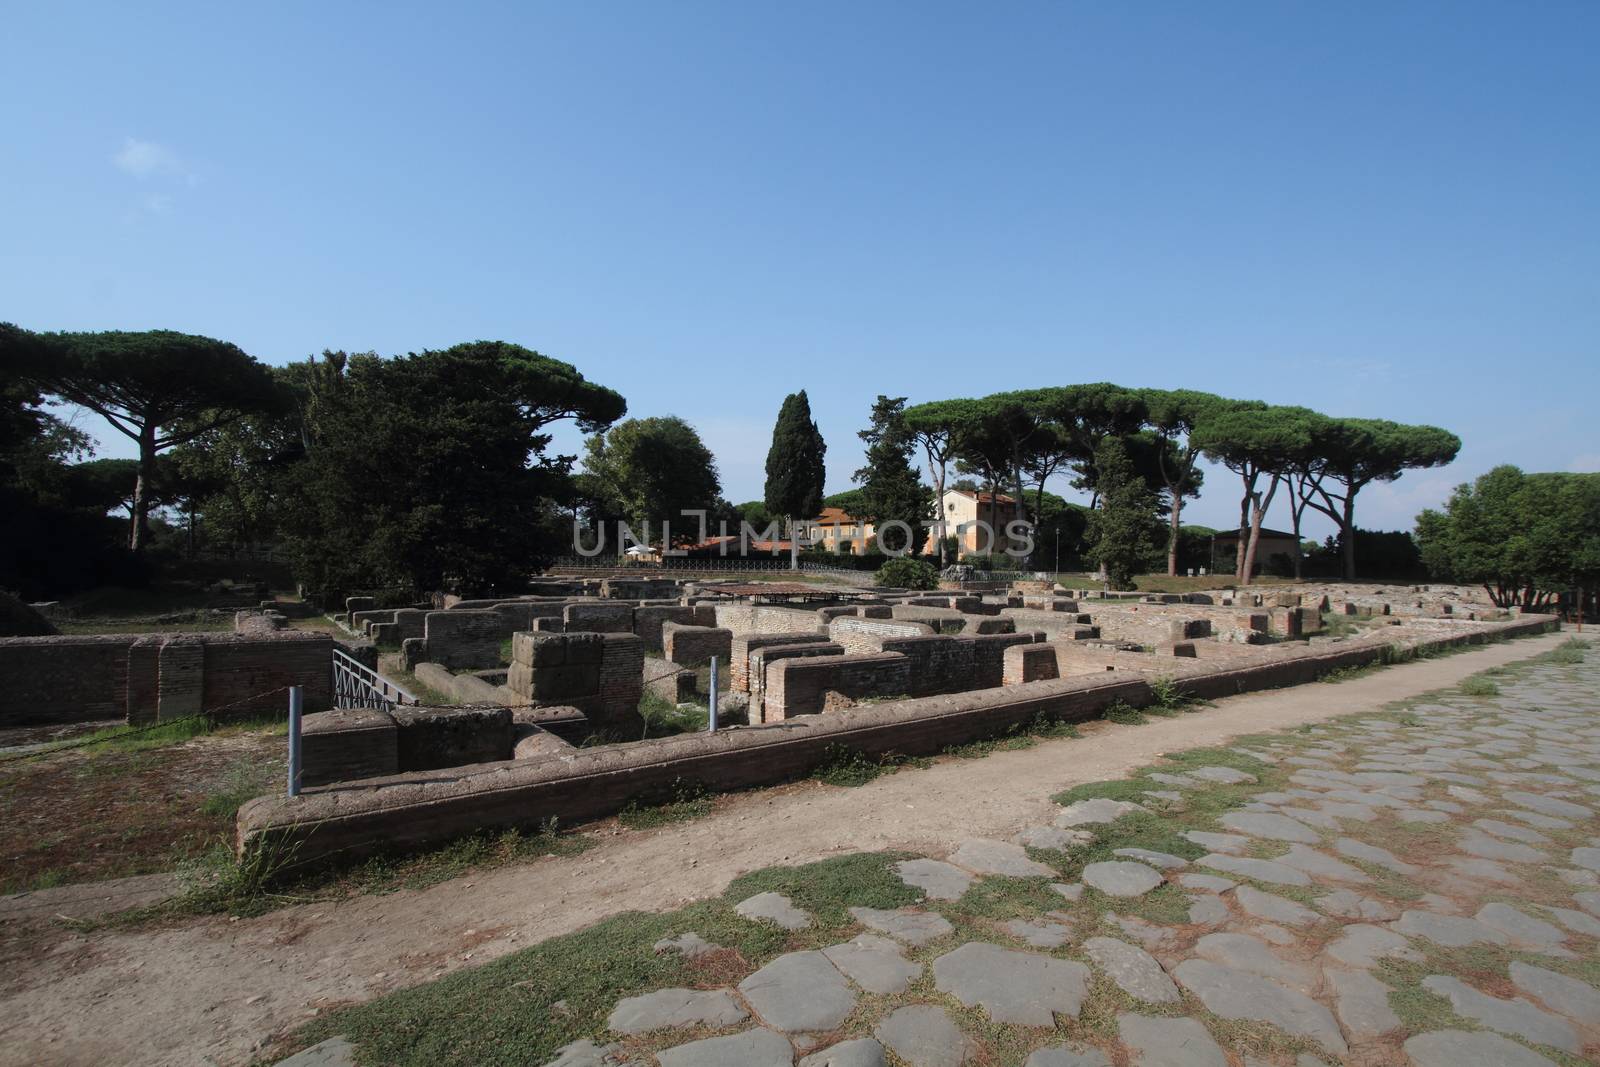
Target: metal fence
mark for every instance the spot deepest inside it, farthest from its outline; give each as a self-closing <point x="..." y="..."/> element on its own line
<point x="356" y="685"/>
<point x="700" y="566"/>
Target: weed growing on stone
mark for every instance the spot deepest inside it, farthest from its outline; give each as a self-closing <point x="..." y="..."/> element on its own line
<point x="682" y="800"/>
<point x="244" y="780"/>
<point x="1569" y="653"/>
<point x="846" y="766"/>
<point x="1479" y="686"/>
<point x="1124" y="715"/>
<point x="663" y="718"/>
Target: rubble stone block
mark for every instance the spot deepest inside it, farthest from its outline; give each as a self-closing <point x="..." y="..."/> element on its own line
<point x="431" y="738"/>
<point x="564" y="682"/>
<point x="1028" y="663"/>
<point x="346" y="744"/>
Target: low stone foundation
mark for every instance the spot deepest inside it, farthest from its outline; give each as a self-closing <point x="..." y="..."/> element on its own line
<point x="693" y="646"/>
<point x="408" y="811"/>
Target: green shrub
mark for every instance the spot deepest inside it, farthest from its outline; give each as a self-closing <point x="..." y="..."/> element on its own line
<point x="908" y="573"/>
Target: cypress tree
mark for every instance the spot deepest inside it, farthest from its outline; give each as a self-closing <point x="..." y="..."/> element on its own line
<point x="794" y="463"/>
<point x="1123" y="528"/>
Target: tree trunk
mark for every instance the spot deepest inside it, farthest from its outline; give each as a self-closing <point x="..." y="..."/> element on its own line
<point x="1348" y="529"/>
<point x="937" y="474"/>
<point x="1258" y="513"/>
<point x="1244" y="534"/>
<point x="143" y="487"/>
<point x="1296" y="513"/>
<point x="1172" y="538"/>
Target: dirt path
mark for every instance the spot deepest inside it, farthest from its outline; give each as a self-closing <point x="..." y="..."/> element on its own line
<point x="216" y="990"/>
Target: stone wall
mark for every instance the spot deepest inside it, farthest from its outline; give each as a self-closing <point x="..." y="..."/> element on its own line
<point x="1028" y="663"/>
<point x="464" y="638"/>
<point x="403" y="623"/>
<point x="939" y="664"/>
<point x="692" y="646"/>
<point x="813" y="685"/>
<point x="740" y="671"/>
<point x="142" y="678"/>
<point x="347" y="744"/>
<point x="988" y="657"/>
<point x="761" y="658"/>
<point x="668" y="681"/>
<point x="647" y="621"/>
<point x="600" y="674"/>
<point x="410" y="811"/>
<point x="599" y="617"/>
<point x="766" y="619"/>
<point x="862" y="636"/>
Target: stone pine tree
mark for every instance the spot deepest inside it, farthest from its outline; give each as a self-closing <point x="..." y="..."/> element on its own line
<point x="158" y="387"/>
<point x="794" y="462"/>
<point x="890" y="488"/>
<point x="1120" y="529"/>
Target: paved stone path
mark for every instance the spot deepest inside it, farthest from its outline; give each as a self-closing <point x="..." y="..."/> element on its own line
<point x="1420" y="887"/>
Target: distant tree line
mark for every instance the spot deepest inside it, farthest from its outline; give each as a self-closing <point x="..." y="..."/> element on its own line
<point x="424" y="471"/>
<point x="1135" y="451"/>
<point x="434" y="469"/>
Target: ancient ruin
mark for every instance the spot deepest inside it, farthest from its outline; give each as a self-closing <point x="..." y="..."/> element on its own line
<point x="546" y="686"/>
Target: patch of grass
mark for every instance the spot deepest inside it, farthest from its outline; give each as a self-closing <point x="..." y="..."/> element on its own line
<point x="845" y="766"/>
<point x="502" y="1012"/>
<point x="1117" y="789"/>
<point x="1345" y="674"/>
<point x="218" y="883"/>
<point x="49" y="879"/>
<point x="662" y="718"/>
<point x="1479" y="686"/>
<point x="999" y="898"/>
<point x="1337" y="625"/>
<point x="1568" y="654"/>
<point x="681" y="801"/>
<point x="829" y="888"/>
<point x="244" y="780"/>
<point x="1125" y="715"/>
<point x="126" y="739"/>
<point x="429" y="696"/>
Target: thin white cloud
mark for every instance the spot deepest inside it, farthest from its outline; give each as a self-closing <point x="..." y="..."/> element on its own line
<point x="146" y="159"/>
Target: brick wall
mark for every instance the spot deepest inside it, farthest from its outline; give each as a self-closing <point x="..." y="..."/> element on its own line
<point x="1028" y="663"/>
<point x="600" y="674"/>
<point x="691" y="646"/>
<point x="621" y="686"/>
<point x="464" y="637"/>
<point x="939" y="664"/>
<point x="812" y="685"/>
<point x="145" y="677"/>
<point x="740" y="671"/>
<point x="412" y="811"/>
<point x="765" y="619"/>
<point x="862" y="636"/>
<point x="647" y="621"/>
<point x="63" y="679"/>
<point x="988" y="657"/>
<point x="599" y="617"/>
<point x="761" y="658"/>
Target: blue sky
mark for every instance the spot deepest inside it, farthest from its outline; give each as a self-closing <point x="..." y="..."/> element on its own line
<point x="1372" y="209"/>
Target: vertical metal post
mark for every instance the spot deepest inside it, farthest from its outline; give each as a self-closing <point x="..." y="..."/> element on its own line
<point x="296" y="705"/>
<point x="713" y="703"/>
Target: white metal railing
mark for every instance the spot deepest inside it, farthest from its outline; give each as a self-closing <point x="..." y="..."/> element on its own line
<point x="356" y="685"/>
